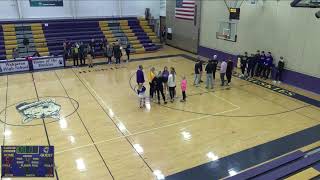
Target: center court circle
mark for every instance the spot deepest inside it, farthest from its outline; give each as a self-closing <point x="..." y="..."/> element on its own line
<point x="68" y="107"/>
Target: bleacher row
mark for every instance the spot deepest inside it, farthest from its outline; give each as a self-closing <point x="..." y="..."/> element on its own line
<point x="47" y="37"/>
<point x="294" y="166"/>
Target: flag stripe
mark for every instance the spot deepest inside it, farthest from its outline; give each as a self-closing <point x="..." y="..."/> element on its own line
<point x="185" y="9"/>
<point x="188" y="5"/>
<point x="186" y="13"/>
<point x="185" y="18"/>
<point x="181" y="14"/>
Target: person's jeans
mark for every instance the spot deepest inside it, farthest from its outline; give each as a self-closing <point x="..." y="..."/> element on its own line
<point x="222" y="78"/>
<point x="278" y="75"/>
<point x="118" y="60"/>
<point x="172" y="92"/>
<point x="196" y="79"/>
<point x="209" y="81"/>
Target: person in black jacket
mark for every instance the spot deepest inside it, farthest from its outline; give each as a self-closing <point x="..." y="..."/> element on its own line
<point x="261" y="65"/>
<point x="117" y="53"/>
<point x="257" y="60"/>
<point x="158" y="84"/>
<point x="251" y="65"/>
<point x="209" y="70"/>
<point x="243" y="62"/>
<point x="197" y="69"/>
<point x="215" y="64"/>
<point x="280" y="69"/>
<point x="229" y="71"/>
<point x="201" y="70"/>
<point x="128" y="52"/>
<point x="93" y="46"/>
<point x="82" y="54"/>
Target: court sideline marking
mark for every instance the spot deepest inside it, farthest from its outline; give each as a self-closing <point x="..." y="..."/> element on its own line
<point x="270" y="100"/>
<point x="83" y="124"/>
<point x="44" y="123"/>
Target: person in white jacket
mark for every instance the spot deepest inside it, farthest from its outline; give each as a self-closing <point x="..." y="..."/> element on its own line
<point x="172" y="83"/>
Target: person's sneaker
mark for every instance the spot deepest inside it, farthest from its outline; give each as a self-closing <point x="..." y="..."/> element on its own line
<point x="279" y="82"/>
<point x="182" y="100"/>
<point x="158" y="102"/>
<point x="165" y="102"/>
<point x="201" y="81"/>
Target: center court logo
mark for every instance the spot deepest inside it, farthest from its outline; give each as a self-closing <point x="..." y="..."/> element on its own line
<point x="47" y="108"/>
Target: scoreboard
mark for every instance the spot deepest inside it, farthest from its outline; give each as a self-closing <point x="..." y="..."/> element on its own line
<point x="27" y="161"/>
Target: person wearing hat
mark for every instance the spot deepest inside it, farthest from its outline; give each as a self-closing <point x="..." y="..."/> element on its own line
<point x="215" y="64"/>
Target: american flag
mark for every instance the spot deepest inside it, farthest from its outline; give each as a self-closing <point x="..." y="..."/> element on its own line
<point x="185" y="9"/>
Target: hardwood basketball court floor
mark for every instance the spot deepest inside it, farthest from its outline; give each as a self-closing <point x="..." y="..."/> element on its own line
<point x="103" y="134"/>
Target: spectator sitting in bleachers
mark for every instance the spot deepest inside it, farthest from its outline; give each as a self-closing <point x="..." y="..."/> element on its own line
<point x="36" y="54"/>
<point x="15" y="53"/>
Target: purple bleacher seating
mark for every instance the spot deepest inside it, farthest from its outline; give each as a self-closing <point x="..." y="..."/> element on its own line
<point x="290" y="168"/>
<point x="82" y="30"/>
<point x="267" y="167"/>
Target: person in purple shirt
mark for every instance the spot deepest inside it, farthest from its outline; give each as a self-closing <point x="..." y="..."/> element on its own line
<point x="165" y="75"/>
<point x="140" y="76"/>
<point x="267" y="65"/>
<point x="261" y="66"/>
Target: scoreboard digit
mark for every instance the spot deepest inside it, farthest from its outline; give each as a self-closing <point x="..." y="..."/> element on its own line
<point x="27" y="161"/>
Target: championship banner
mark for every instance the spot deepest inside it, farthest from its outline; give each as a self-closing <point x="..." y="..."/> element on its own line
<point x="49" y="62"/>
<point x="13" y="66"/>
<point x="45" y="3"/>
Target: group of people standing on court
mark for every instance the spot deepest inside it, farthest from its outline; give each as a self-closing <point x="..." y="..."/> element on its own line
<point x="160" y="84"/>
<point x="226" y="69"/>
<point x="81" y="51"/>
<point x="260" y="65"/>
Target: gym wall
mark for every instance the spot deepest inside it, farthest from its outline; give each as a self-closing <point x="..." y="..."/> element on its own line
<point x="11" y="9"/>
<point x="184" y="32"/>
<point x="271" y="26"/>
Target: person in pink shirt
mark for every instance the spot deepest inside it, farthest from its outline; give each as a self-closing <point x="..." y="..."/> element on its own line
<point x="183" y="88"/>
